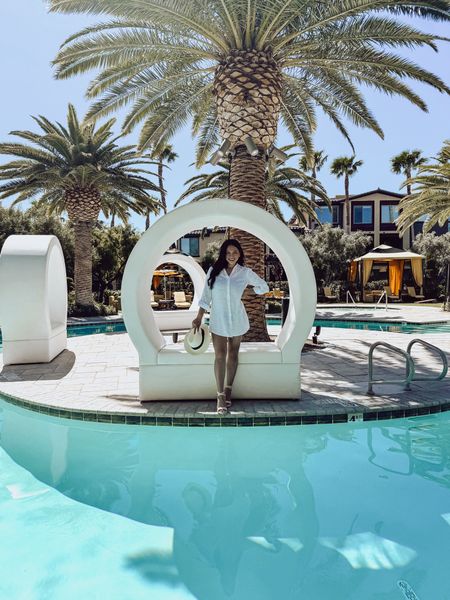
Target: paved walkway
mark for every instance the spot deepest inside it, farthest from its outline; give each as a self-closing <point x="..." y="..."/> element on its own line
<point x="97" y="379"/>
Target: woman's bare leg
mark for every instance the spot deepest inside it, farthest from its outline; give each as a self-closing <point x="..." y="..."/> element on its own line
<point x="232" y="364"/>
<point x="220" y="351"/>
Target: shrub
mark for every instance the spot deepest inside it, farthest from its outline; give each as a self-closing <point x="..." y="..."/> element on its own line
<point x="97" y="310"/>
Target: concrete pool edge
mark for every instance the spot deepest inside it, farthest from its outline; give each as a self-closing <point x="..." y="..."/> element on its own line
<point x="230" y="420"/>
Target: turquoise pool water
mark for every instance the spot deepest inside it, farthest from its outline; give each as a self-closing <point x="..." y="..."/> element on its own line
<point x="367" y="325"/>
<point x="342" y="512"/>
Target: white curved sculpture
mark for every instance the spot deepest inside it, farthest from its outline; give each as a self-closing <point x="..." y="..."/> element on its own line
<point x="172" y="320"/>
<point x="33" y="299"/>
<point x="266" y="370"/>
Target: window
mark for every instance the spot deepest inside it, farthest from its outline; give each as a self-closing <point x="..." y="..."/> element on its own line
<point x="389" y="212"/>
<point x="325" y="216"/>
<point x="335" y="214"/>
<point x="362" y="215"/>
<point x="190" y="246"/>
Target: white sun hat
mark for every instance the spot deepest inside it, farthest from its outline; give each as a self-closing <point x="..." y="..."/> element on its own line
<point x="196" y="342"/>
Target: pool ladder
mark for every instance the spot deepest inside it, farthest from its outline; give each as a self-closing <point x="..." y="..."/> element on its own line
<point x="410" y="369"/>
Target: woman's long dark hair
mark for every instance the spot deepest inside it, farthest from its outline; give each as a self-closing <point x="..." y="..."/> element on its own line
<point x="221" y="262"/>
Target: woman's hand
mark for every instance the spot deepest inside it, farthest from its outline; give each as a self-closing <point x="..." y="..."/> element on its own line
<point x="196" y="323"/>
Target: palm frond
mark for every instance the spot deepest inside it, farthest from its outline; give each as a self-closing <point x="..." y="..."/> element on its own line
<point x="325" y="51"/>
<point x="171" y="14"/>
<point x="166" y="120"/>
<point x="208" y="136"/>
<point x="295" y="122"/>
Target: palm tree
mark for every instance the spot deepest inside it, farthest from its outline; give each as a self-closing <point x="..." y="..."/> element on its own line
<point x="283" y="184"/>
<point x="237" y="66"/>
<point x="314" y="164"/>
<point x="405" y="162"/>
<point x="346" y="166"/>
<point x="80" y="170"/>
<point x="166" y="155"/>
<point x="431" y="195"/>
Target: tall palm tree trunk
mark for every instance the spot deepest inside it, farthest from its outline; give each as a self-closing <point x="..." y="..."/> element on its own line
<point x="313" y="199"/>
<point x="247" y="183"/>
<point x="408" y="176"/>
<point x="83" y="262"/>
<point x="347" y="227"/>
<point x="412" y="237"/>
<point x="161" y="184"/>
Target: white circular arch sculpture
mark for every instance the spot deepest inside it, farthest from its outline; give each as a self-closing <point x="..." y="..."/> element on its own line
<point x="33" y="299"/>
<point x="266" y="370"/>
<point x="173" y="320"/>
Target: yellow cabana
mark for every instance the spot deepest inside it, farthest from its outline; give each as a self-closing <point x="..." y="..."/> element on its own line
<point x="396" y="261"/>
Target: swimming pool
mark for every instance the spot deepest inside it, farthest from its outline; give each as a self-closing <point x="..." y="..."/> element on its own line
<point x="410" y="328"/>
<point x="342" y="512"/>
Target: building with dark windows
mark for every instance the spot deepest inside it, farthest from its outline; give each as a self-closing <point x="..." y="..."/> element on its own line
<point x="190" y="244"/>
<point x="195" y="243"/>
<point x="372" y="212"/>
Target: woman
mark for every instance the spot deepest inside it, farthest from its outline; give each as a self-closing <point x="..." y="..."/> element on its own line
<point x="225" y="283"/>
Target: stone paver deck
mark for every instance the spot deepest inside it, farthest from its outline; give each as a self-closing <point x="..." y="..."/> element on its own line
<point x="97" y="379"/>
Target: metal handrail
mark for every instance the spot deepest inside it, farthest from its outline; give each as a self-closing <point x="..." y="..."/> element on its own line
<point x="409" y="367"/>
<point x="380" y="299"/>
<point x="435" y="349"/>
<point x="347" y="295"/>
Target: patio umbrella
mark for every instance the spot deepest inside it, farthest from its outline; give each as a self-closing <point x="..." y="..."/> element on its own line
<point x="164" y="273"/>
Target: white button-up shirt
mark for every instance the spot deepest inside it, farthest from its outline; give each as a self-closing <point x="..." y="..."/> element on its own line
<point x="227" y="313"/>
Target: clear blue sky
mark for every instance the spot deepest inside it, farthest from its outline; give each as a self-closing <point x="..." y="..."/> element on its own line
<point x="29" y="40"/>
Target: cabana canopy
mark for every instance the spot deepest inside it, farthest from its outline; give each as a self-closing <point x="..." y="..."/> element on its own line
<point x="396" y="259"/>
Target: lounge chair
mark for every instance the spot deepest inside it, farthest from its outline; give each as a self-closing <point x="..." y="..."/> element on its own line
<point x="153" y="303"/>
<point x="390" y="295"/>
<point x="412" y="293"/>
<point x="180" y="300"/>
<point x="329" y="294"/>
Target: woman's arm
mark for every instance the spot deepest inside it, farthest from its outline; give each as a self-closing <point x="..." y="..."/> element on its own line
<point x="204" y="303"/>
<point x="258" y="284"/>
<point x="198" y="319"/>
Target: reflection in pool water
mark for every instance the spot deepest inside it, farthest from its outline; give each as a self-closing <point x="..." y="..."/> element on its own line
<point x="341" y="512"/>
